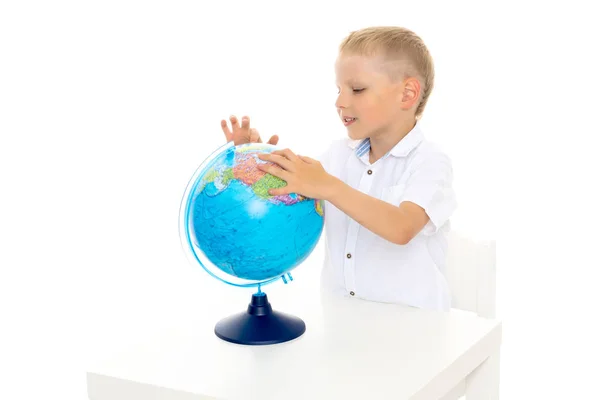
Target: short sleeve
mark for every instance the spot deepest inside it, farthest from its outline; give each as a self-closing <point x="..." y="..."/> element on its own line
<point x="430" y="187"/>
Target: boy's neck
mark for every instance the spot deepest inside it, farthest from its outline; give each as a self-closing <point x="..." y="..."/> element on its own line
<point x="383" y="143"/>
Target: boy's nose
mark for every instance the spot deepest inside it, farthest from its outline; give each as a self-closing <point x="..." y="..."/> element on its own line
<point x="340" y="102"/>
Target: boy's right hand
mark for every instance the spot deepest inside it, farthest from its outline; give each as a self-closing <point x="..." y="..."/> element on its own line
<point x="243" y="134"/>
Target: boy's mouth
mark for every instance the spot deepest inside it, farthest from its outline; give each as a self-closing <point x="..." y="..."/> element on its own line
<point x="348" y="120"/>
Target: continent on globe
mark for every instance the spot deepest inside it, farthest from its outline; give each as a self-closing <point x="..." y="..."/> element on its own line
<point x="245" y="170"/>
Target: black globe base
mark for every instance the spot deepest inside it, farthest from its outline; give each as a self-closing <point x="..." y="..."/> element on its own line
<point x="260" y="325"/>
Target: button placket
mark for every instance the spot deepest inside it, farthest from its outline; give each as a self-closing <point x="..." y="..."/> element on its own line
<point x="348" y="259"/>
<point x="364" y="185"/>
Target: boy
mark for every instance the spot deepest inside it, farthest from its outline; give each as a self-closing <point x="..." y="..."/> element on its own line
<point x="388" y="191"/>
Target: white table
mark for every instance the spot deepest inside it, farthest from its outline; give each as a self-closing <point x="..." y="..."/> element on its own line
<point x="352" y="349"/>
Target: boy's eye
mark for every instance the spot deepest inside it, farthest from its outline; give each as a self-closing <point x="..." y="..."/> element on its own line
<point x="353" y="90"/>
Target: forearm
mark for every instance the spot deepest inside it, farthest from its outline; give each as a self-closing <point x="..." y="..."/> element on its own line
<point x="381" y="218"/>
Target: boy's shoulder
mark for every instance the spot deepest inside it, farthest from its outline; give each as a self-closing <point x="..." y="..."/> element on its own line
<point x="430" y="151"/>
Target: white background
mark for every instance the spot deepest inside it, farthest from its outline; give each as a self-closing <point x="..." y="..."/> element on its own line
<point x="107" y="108"/>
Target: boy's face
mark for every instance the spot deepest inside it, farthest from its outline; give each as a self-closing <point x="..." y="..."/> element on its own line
<point x="369" y="102"/>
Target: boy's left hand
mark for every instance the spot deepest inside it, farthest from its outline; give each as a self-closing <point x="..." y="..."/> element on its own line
<point x="303" y="175"/>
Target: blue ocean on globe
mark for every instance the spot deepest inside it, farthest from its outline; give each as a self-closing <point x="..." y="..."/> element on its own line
<point x="236" y="230"/>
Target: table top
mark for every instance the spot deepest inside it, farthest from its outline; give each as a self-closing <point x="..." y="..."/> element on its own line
<point x="352" y="349"/>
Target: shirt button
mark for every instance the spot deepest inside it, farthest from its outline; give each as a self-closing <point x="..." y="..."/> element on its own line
<point x="351" y="293"/>
<point x="348" y="255"/>
<point x="369" y="172"/>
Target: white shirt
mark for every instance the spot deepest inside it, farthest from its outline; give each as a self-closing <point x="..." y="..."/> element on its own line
<point x="362" y="264"/>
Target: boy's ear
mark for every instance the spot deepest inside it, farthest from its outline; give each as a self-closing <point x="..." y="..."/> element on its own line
<point x="410" y="93"/>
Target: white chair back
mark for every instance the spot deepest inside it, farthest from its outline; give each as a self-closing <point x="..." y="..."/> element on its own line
<point x="471" y="274"/>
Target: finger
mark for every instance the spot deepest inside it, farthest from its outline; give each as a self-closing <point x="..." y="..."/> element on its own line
<point x="226" y="131"/>
<point x="287" y="153"/>
<point x="234" y="123"/>
<point x="280" y="191"/>
<point x="275" y="171"/>
<point x="290" y="154"/>
<point x="254" y="136"/>
<point x="274" y="140"/>
<point x="307" y="159"/>
<point x="279" y="160"/>
<point x="245" y="122"/>
<point x="274" y="159"/>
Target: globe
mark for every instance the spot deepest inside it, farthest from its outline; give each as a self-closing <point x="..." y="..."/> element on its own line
<point x="241" y="235"/>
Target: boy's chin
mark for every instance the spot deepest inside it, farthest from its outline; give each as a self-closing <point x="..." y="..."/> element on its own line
<point x="354" y="135"/>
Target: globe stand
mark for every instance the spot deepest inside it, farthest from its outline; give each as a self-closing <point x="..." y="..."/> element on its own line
<point x="260" y="325"/>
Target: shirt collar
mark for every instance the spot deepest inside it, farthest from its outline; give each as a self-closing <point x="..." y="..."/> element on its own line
<point x="401" y="149"/>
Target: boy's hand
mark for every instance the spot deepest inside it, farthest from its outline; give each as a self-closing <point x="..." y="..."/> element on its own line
<point x="243" y="134"/>
<point x="303" y="175"/>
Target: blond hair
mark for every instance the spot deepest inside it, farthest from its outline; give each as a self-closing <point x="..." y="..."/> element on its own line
<point x="400" y="46"/>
